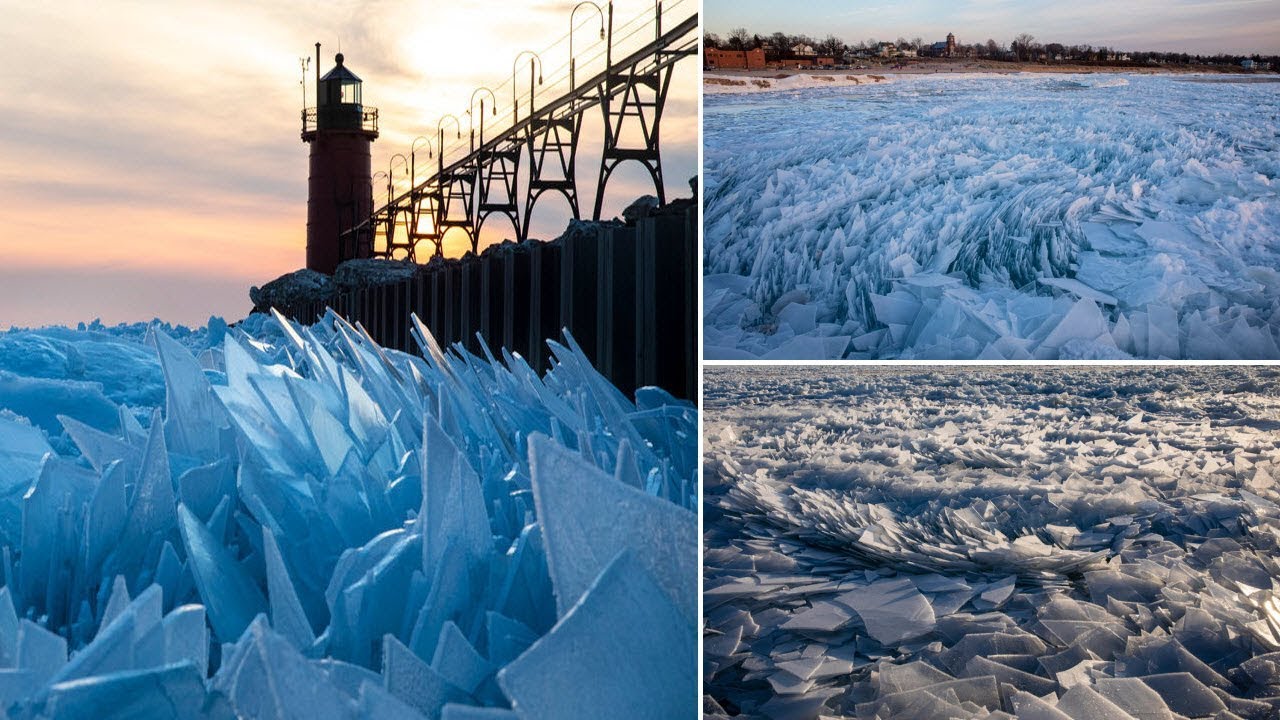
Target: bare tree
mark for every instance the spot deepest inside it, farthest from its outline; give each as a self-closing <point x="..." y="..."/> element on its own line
<point x="711" y="40"/>
<point x="831" y="46"/>
<point x="1022" y="45"/>
<point x="739" y="38"/>
<point x="993" y="48"/>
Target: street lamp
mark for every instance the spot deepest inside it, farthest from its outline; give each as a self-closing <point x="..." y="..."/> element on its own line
<point x="374" y="179"/>
<point x="471" y="117"/>
<point x="391" y="209"/>
<point x="515" y="103"/>
<point x="572" y="60"/>
<point x="413" y="172"/>
<point x="440" y="142"/>
<point x="390" y="164"/>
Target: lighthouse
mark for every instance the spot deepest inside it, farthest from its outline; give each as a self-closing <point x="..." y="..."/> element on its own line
<point x="340" y="130"/>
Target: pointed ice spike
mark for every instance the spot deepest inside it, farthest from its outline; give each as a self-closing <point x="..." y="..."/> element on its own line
<point x="507" y="638"/>
<point x="450" y="596"/>
<point x="641" y="648"/>
<point x="151" y="513"/>
<point x="230" y="595"/>
<point x="588" y="518"/>
<point x="526" y="594"/>
<point x="108" y="511"/>
<point x="265" y="677"/>
<point x="118" y="601"/>
<point x="413" y="681"/>
<point x="8" y="630"/>
<point x="626" y="471"/>
<point x="458" y="662"/>
<point x="117" y="648"/>
<point x="202" y="488"/>
<point x="52" y="513"/>
<point x="287" y="616"/>
<point x="186" y="637"/>
<point x="22" y="449"/>
<point x="453" y="507"/>
<point x="193" y="416"/>
<point x="40" y="652"/>
<point x="101" y="448"/>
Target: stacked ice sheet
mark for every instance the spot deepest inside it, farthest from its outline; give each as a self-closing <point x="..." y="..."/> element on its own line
<point x="979" y="542"/>
<point x="995" y="218"/>
<point x="315" y="527"/>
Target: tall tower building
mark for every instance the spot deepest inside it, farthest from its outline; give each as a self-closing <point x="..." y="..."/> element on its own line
<point x="951" y="44"/>
<point x="340" y="131"/>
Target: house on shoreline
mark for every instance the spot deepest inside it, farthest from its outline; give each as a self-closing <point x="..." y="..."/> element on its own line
<point x="944" y="48"/>
<point x="800" y="57"/>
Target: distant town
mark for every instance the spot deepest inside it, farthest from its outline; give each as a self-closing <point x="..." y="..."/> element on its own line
<point x="743" y="50"/>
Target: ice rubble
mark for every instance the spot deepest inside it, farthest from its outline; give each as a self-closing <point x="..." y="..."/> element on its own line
<point x="737" y="84"/>
<point x="992" y="542"/>
<point x="307" y="525"/>
<point x="998" y="217"/>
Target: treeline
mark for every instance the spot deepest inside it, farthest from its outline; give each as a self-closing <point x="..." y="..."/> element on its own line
<point x="1023" y="48"/>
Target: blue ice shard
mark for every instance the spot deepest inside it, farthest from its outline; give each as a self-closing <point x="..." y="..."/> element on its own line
<point x="588" y="518"/>
<point x="635" y="637"/>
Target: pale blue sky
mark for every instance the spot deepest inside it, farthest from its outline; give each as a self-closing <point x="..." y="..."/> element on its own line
<point x="1204" y="26"/>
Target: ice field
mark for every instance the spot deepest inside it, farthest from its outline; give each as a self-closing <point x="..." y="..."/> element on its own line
<point x="272" y="521"/>
<point x="978" y="542"/>
<point x="998" y="217"/>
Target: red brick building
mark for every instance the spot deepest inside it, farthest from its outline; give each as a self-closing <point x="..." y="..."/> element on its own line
<point x="715" y="59"/>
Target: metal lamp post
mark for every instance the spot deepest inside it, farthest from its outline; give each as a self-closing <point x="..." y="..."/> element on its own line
<point x="471" y="120"/>
<point x="515" y="102"/>
<point x="572" y="60"/>
<point x="391" y="209"/>
<point x="413" y="170"/>
<point x="390" y="176"/>
<point x="440" y="142"/>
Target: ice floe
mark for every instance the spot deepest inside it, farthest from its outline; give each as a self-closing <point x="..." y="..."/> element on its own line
<point x="988" y="542"/>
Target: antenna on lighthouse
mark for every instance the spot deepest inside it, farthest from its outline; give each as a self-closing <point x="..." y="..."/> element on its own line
<point x="304" y="62"/>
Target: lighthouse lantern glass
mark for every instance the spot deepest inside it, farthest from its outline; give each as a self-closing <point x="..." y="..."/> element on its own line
<point x="350" y="93"/>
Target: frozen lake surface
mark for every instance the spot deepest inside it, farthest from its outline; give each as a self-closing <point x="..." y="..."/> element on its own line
<point x="1001" y="217"/>
<point x="1047" y="542"/>
<point x="276" y="521"/>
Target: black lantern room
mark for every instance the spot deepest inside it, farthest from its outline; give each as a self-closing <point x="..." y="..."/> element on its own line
<point x="338" y="101"/>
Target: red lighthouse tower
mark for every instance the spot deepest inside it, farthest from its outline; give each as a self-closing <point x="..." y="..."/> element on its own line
<point x="340" y="130"/>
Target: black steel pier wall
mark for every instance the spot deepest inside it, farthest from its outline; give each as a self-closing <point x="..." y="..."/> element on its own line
<point x="628" y="294"/>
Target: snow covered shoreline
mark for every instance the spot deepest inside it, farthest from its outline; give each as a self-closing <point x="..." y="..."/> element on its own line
<point x="1032" y="539"/>
<point x="740" y="82"/>
<point x="713" y="84"/>
<point x="1051" y="216"/>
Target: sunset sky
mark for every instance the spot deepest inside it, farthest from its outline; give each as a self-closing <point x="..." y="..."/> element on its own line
<point x="1195" y="26"/>
<point x="150" y="162"/>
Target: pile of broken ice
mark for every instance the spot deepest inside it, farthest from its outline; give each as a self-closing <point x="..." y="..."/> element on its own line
<point x="980" y="543"/>
<point x="995" y="218"/>
<point x="315" y="527"/>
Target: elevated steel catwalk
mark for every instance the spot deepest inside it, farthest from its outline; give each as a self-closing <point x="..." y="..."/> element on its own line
<point x="464" y="193"/>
